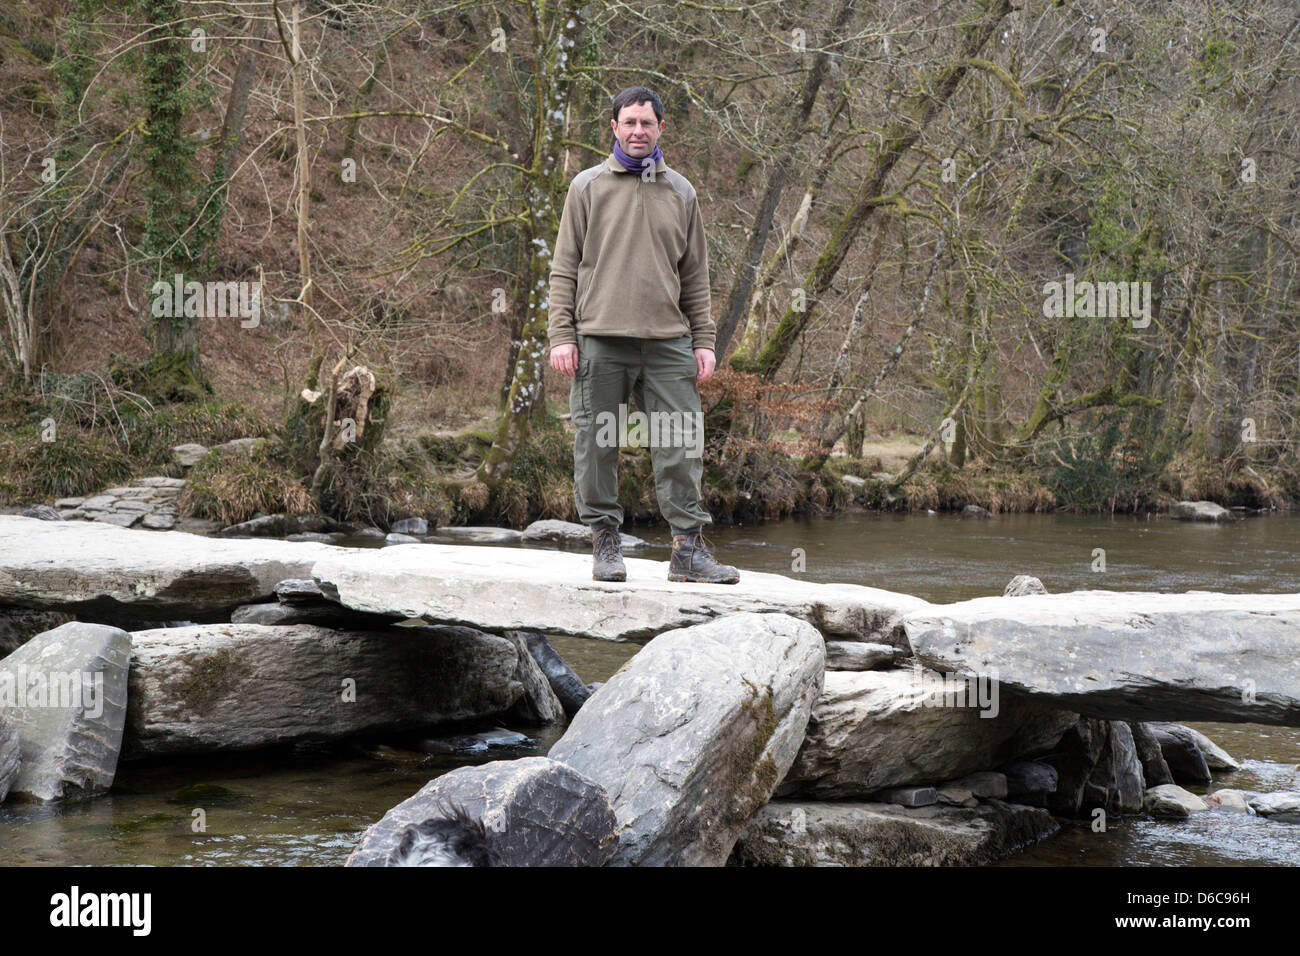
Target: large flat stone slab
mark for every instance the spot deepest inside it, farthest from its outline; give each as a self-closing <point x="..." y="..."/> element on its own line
<point x="1127" y="655"/>
<point x="90" y="568"/>
<point x="502" y="589"/>
<point x="692" y="735"/>
<point x="217" y="687"/>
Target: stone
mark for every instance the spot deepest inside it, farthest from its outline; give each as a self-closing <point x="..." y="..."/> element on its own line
<point x="550" y="529"/>
<point x="1199" y="511"/>
<point x="70" y="735"/>
<point x="1030" y="781"/>
<point x="298" y="591"/>
<point x="530" y="812"/>
<point x="875" y="730"/>
<point x="69" y="503"/>
<point x="1155" y="769"/>
<point x="859" y="655"/>
<point x="975" y="511"/>
<point x="479" y="743"/>
<point x="393" y="538"/>
<point x="242" y="446"/>
<point x="216" y="687"/>
<point x="98" y="503"/>
<point x="1235" y="801"/>
<point x="538" y="704"/>
<point x="692" y="735"/>
<point x="310" y="536"/>
<point x="567" y="686"/>
<point x="41" y="513"/>
<point x="1171" y="800"/>
<point x="10" y="752"/>
<point x="983" y="783"/>
<point x="499" y="589"/>
<point x="276" y="526"/>
<point x="19" y="625"/>
<point x="957" y="797"/>
<point x="132" y="505"/>
<point x="91" y="570"/>
<point x="853" y="481"/>
<point x="202" y="526"/>
<point x="789" y="833"/>
<point x="1127" y="655"/>
<point x="322" y="614"/>
<point x="159" y="522"/>
<point x="122" y="519"/>
<point x="1216" y="758"/>
<point x="483" y="535"/>
<point x="188" y="455"/>
<point x="1280" y="807"/>
<point x="410" y="526"/>
<point x="912" y="796"/>
<point x="1097" y="766"/>
<point x="162" y="482"/>
<point x="1179" y="748"/>
<point x="1023" y="584"/>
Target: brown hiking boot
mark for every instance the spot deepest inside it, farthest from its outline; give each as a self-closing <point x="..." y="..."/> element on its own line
<point x="607" y="554"/>
<point x="691" y="561"/>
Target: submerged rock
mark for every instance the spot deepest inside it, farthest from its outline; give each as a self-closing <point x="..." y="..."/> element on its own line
<point x="528" y="812"/>
<point x="1170" y="800"/>
<point x="692" y="735"/>
<point x="1282" y="807"/>
<point x="791" y="833"/>
<point x="66" y="693"/>
<point x="1199" y="511"/>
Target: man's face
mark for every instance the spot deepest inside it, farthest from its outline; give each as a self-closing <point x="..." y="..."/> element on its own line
<point x="637" y="130"/>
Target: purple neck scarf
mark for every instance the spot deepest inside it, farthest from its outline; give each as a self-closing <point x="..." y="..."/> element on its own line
<point x="637" y="165"/>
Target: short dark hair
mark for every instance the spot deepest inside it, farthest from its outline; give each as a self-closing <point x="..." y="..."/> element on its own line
<point x="637" y="95"/>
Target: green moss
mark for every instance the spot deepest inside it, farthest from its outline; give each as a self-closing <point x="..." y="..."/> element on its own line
<point x="212" y="678"/>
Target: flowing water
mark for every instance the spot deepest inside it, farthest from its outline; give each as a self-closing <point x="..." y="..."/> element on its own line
<point x="309" y="805"/>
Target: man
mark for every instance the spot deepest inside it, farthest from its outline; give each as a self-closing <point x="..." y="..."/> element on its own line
<point x="629" y="314"/>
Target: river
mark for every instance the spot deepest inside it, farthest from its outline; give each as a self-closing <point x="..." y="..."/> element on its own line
<point x="308" y="805"/>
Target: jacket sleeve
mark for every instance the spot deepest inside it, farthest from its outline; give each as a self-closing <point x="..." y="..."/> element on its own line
<point x="564" y="270"/>
<point x="693" y="270"/>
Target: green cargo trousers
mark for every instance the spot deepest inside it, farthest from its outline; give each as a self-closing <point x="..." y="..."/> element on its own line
<point x="661" y="373"/>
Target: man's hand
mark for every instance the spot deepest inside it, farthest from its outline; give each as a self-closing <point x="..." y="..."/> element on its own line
<point x="704" y="364"/>
<point x="564" y="359"/>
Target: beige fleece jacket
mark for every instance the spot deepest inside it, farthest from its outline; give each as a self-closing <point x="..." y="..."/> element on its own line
<point x="630" y="259"/>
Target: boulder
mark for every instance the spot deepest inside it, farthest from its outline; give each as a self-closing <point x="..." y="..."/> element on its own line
<point x="528" y="812"/>
<point x="1282" y="807"/>
<point x="569" y="532"/>
<point x="499" y="589"/>
<point x="1215" y="757"/>
<point x="875" y="730"/>
<point x="1127" y="655"/>
<point x="1030" y="781"/>
<point x="1023" y="584"/>
<point x="788" y="833"/>
<point x="93" y="570"/>
<point x="912" y="796"/>
<point x="1199" y="511"/>
<point x="1155" y="769"/>
<point x="10" y="751"/>
<point x="567" y="686"/>
<point x="859" y="655"/>
<point x="188" y="455"/>
<point x="239" y="686"/>
<point x="1097" y="766"/>
<point x="1170" y="800"/>
<point x="692" y="735"/>
<point x="41" y="513"/>
<point x="975" y="511"/>
<point x="1179" y="748"/>
<point x="538" y="704"/>
<point x="394" y="538"/>
<point x="410" y="526"/>
<point x="66" y="692"/>
<point x="1235" y="801"/>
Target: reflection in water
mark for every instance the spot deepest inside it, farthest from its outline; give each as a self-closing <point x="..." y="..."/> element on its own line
<point x="309" y="805"/>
